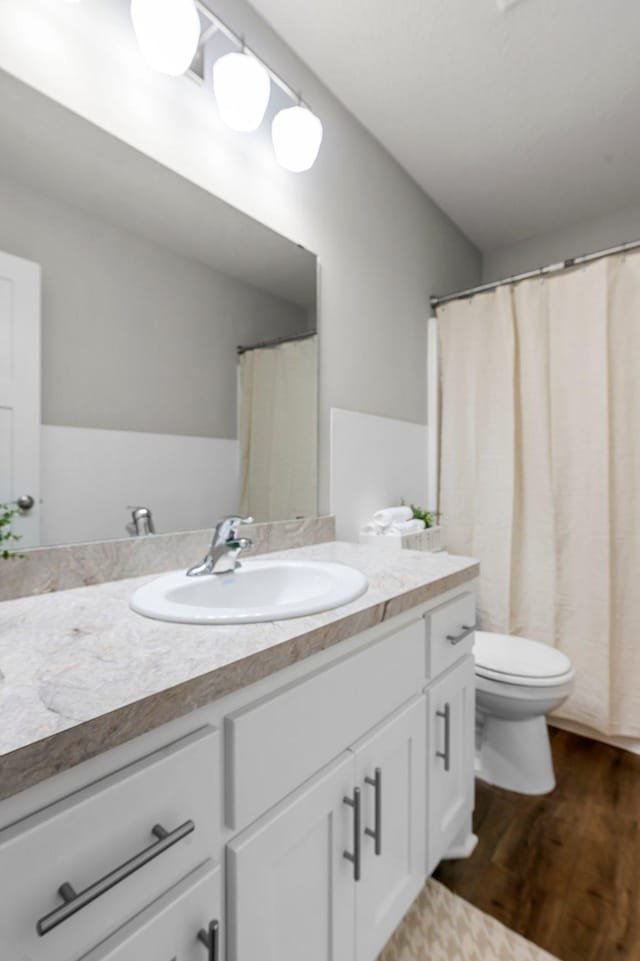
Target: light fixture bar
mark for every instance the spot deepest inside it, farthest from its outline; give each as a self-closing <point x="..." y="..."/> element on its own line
<point x="212" y="29"/>
<point x="235" y="38"/>
<point x="196" y="70"/>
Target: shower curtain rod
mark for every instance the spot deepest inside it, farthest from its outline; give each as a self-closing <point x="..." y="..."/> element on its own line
<point x="277" y="340"/>
<point x="540" y="272"/>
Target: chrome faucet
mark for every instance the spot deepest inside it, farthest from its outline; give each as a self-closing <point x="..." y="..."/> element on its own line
<point x="141" y="521"/>
<point x="222" y="556"/>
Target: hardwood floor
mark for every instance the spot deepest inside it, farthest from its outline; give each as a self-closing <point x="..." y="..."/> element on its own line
<point x="563" y="870"/>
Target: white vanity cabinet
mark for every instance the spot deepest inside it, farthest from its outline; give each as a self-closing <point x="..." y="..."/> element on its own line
<point x="328" y="874"/>
<point x="277" y="742"/>
<point x="309" y="808"/>
<point x="74" y="872"/>
<point x="390" y="768"/>
<point x="185" y="924"/>
<point x="450" y="773"/>
<point x="291" y="893"/>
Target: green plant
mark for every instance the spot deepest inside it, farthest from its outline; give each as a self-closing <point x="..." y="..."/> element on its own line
<point x="7" y="534"/>
<point x="430" y="518"/>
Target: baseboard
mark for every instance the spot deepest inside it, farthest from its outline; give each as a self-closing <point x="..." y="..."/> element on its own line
<point x="625" y="743"/>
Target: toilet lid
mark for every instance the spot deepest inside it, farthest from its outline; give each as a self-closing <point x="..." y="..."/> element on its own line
<point x="508" y="658"/>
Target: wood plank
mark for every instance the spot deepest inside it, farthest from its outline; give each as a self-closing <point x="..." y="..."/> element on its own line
<point x="562" y="870"/>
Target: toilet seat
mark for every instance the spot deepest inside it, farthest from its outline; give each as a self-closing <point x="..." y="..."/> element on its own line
<point x="507" y="659"/>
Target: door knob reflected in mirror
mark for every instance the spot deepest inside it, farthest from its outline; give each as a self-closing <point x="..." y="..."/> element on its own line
<point x="25" y="502"/>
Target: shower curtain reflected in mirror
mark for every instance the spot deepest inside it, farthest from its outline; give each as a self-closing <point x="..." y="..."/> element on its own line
<point x="540" y="470"/>
<point x="278" y="414"/>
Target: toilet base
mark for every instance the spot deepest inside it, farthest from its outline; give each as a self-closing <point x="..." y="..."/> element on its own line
<point x="515" y="754"/>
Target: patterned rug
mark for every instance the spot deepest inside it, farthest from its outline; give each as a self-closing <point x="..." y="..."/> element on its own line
<point x="440" y="926"/>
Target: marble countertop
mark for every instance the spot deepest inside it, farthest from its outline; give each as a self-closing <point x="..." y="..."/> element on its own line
<point x="81" y="673"/>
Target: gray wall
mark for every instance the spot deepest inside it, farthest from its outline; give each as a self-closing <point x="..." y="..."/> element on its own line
<point x="584" y="237"/>
<point x="135" y="336"/>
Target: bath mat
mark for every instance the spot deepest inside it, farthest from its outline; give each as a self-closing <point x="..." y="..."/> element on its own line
<point x="440" y="926"/>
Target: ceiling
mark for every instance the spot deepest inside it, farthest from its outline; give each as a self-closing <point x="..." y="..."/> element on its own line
<point x="516" y="116"/>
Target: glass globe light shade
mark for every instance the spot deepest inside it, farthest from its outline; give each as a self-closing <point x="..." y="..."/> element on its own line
<point x="242" y="88"/>
<point x="297" y="134"/>
<point x="168" y="32"/>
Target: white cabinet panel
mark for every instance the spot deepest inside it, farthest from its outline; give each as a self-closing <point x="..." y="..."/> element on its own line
<point x="89" y="835"/>
<point x="450" y="774"/>
<point x="450" y="633"/>
<point x="168" y="930"/>
<point x="291" y="890"/>
<point x="277" y="743"/>
<point x="393" y="757"/>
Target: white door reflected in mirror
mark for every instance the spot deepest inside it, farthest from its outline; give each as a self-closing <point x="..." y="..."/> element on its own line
<point x="20" y="394"/>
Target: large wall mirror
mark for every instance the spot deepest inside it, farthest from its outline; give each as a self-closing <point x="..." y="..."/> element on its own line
<point x="178" y="362"/>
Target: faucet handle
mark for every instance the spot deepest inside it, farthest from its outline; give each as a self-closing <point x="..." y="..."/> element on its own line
<point x="227" y="528"/>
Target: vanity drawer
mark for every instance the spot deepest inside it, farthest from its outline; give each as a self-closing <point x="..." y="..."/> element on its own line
<point x="169" y="928"/>
<point x="100" y="841"/>
<point x="448" y="634"/>
<point x="277" y="743"/>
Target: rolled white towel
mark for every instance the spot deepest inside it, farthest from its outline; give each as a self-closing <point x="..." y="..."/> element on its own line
<point x="406" y="527"/>
<point x="392" y="515"/>
<point x="372" y="528"/>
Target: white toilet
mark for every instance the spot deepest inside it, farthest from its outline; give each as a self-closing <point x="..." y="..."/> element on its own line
<point x="517" y="683"/>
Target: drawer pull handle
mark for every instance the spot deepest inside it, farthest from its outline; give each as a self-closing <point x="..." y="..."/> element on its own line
<point x="466" y="631"/>
<point x="376" y="833"/>
<point x="76" y="901"/>
<point x="446" y="754"/>
<point x="210" y="939"/>
<point x="354" y="858"/>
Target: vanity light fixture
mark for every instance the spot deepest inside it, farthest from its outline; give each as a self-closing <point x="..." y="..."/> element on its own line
<point x="172" y="36"/>
<point x="297" y="134"/>
<point x="242" y="88"/>
<point x="168" y="33"/>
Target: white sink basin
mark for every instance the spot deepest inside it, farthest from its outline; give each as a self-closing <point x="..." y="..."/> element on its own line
<point x="260" y="590"/>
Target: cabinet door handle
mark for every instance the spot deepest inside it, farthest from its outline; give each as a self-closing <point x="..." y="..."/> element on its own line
<point x="76" y="901"/>
<point x="211" y="939"/>
<point x="376" y="832"/>
<point x="354" y="858"/>
<point x="446" y="754"/>
<point x="466" y="631"/>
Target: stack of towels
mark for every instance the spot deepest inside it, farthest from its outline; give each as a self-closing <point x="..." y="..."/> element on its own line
<point x="394" y="520"/>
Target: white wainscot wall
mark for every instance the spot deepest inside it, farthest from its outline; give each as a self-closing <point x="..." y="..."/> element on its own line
<point x="90" y="476"/>
<point x="375" y="463"/>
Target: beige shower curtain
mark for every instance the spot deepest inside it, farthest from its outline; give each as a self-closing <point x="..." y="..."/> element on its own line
<point x="279" y="430"/>
<point x="540" y="470"/>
